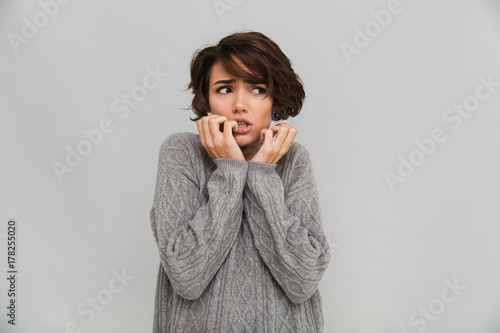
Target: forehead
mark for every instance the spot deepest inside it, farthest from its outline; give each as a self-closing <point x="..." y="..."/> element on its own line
<point x="233" y="70"/>
<point x="218" y="72"/>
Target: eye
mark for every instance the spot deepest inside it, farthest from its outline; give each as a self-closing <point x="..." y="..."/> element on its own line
<point x="260" y="90"/>
<point x="222" y="90"/>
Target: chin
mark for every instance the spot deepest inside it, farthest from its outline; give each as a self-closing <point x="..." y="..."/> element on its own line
<point x="244" y="141"/>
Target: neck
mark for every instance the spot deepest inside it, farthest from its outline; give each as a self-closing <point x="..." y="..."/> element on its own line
<point x="250" y="150"/>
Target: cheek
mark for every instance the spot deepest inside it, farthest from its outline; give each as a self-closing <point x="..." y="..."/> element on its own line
<point x="217" y="105"/>
<point x="269" y="113"/>
<point x="213" y="105"/>
<point x="210" y="101"/>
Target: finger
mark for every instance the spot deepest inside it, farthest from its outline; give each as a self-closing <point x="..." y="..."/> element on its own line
<point x="209" y="142"/>
<point x="229" y="126"/>
<point x="290" y="136"/>
<point x="277" y="128"/>
<point x="208" y="124"/>
<point x="203" y="139"/>
<point x="292" y="132"/>
<point x="281" y="125"/>
<point x="199" y="124"/>
<point x="291" y="129"/>
<point x="268" y="137"/>
<point x="214" y="126"/>
<point x="281" y="136"/>
<point x="263" y="134"/>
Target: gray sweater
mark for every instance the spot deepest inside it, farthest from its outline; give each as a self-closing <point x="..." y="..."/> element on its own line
<point x="241" y="243"/>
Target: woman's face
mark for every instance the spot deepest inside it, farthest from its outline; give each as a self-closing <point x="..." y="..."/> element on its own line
<point x="234" y="98"/>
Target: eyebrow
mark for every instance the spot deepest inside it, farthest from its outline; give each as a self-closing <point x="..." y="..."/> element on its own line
<point x="233" y="80"/>
<point x="225" y="81"/>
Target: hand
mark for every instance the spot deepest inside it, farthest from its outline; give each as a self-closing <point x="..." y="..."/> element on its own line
<point x="272" y="150"/>
<point x="219" y="144"/>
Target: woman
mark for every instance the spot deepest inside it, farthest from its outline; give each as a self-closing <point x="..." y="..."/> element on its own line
<point x="236" y="212"/>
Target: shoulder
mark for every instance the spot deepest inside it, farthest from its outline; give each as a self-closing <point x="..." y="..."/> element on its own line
<point x="180" y="139"/>
<point x="181" y="146"/>
<point x="297" y="152"/>
<point x="295" y="165"/>
<point x="296" y="158"/>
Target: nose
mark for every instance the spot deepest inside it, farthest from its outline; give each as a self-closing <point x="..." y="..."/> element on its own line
<point x="240" y="101"/>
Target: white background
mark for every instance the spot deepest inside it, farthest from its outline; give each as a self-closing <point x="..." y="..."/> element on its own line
<point x="392" y="251"/>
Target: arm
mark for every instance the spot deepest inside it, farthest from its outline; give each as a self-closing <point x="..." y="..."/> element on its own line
<point x="285" y="220"/>
<point x="194" y="237"/>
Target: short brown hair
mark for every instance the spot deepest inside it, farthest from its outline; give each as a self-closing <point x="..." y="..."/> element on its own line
<point x="260" y="55"/>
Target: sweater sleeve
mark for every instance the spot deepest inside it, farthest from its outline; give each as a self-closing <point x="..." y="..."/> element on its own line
<point x="195" y="234"/>
<point x="285" y="220"/>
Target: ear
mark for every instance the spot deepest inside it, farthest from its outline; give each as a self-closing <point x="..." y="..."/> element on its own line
<point x="274" y="115"/>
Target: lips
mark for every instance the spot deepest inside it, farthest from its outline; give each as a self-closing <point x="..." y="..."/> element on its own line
<point x="241" y="129"/>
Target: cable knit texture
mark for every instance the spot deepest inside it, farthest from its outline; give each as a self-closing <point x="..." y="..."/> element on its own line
<point x="241" y="243"/>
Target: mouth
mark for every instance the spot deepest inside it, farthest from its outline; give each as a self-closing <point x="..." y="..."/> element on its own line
<point x="244" y="125"/>
<point x="244" y="129"/>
